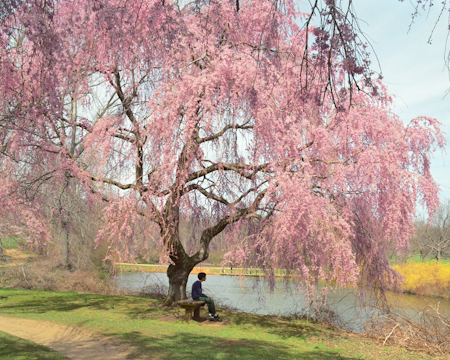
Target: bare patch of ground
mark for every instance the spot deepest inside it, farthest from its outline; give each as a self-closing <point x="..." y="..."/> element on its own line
<point x="75" y="343"/>
<point x="203" y="320"/>
<point x="176" y="314"/>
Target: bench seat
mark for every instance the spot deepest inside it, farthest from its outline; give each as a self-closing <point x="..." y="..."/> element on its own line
<point x="189" y="305"/>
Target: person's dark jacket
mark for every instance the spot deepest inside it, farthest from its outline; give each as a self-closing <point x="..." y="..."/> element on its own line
<point x="197" y="290"/>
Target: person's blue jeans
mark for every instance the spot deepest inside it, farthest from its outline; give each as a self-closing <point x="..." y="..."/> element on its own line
<point x="210" y="303"/>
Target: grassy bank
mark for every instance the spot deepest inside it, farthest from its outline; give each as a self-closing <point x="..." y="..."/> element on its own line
<point x="156" y="332"/>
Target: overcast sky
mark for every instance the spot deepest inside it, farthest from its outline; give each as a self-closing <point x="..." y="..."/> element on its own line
<point x="413" y="70"/>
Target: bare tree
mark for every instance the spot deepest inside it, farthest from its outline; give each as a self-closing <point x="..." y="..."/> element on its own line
<point x="433" y="238"/>
<point x="418" y="244"/>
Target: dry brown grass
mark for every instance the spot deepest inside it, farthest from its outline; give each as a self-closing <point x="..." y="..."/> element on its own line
<point x="44" y="273"/>
<point x="430" y="333"/>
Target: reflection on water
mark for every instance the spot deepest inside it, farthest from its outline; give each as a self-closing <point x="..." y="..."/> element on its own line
<point x="253" y="296"/>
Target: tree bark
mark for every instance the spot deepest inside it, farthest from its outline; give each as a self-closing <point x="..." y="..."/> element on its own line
<point x="182" y="265"/>
<point x="178" y="277"/>
<point x="66" y="248"/>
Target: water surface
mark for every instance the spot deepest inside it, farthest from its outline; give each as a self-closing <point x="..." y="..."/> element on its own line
<point x="253" y="296"/>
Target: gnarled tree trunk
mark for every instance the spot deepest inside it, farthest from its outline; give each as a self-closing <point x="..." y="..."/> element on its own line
<point x="178" y="276"/>
<point x="178" y="272"/>
<point x="183" y="264"/>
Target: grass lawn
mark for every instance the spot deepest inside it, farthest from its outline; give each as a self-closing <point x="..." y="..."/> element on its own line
<point x="156" y="332"/>
<point x="418" y="259"/>
<point x="14" y="348"/>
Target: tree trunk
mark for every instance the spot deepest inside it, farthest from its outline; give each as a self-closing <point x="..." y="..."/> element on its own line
<point x="183" y="264"/>
<point x="1" y="247"/>
<point x="66" y="249"/>
<point x="178" y="276"/>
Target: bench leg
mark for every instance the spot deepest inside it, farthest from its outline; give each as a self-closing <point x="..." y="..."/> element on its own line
<point x="197" y="312"/>
<point x="188" y="314"/>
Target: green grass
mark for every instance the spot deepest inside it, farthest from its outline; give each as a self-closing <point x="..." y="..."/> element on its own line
<point x="418" y="259"/>
<point x="156" y="332"/>
<point x="10" y="242"/>
<point x="14" y="348"/>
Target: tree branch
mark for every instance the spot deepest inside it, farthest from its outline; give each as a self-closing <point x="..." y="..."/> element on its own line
<point x="209" y="233"/>
<point x="204" y="192"/>
<point x="112" y="182"/>
<point x="221" y="132"/>
<point x="239" y="168"/>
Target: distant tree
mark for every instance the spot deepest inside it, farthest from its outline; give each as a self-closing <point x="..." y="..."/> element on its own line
<point x="418" y="243"/>
<point x="226" y="111"/>
<point x="434" y="237"/>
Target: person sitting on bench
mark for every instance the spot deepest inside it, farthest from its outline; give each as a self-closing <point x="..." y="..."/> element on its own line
<point x="198" y="295"/>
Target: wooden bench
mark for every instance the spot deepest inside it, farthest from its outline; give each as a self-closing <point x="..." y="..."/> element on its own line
<point x="189" y="305"/>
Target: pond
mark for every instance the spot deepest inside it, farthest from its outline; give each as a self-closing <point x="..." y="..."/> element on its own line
<point x="253" y="296"/>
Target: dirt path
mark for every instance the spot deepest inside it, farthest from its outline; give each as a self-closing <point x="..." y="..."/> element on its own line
<point x="75" y="343"/>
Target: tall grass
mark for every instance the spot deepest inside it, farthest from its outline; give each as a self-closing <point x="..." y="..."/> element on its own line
<point x="425" y="278"/>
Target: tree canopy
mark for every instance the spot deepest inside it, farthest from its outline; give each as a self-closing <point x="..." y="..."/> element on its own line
<point x="233" y="112"/>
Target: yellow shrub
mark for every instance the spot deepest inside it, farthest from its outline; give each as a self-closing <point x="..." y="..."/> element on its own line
<point x="430" y="278"/>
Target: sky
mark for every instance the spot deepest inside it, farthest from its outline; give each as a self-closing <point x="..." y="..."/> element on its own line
<point x="413" y="70"/>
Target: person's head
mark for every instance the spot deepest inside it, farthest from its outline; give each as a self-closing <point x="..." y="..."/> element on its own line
<point x="201" y="276"/>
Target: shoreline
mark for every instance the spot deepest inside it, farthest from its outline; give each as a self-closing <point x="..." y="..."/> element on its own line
<point x="217" y="270"/>
<point x="208" y="270"/>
